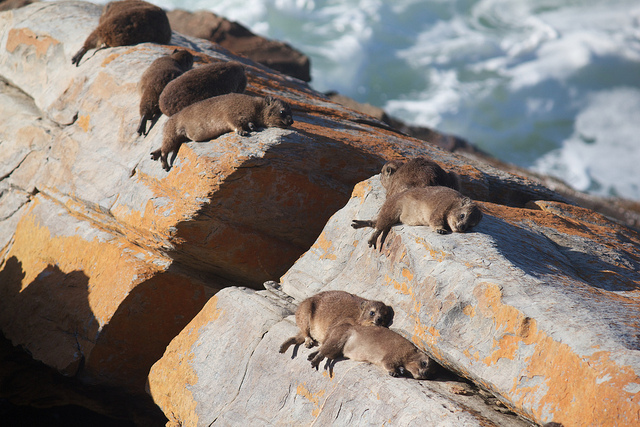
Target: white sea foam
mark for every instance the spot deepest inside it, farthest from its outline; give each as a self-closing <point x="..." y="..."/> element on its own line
<point x="525" y="81"/>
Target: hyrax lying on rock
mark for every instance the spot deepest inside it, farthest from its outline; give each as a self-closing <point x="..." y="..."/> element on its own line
<point x="317" y="314"/>
<point x="398" y="176"/>
<point x="205" y="81"/>
<point x="377" y="345"/>
<point x="208" y="119"/>
<point x="153" y="81"/>
<point x="443" y="209"/>
<point x="126" y="23"/>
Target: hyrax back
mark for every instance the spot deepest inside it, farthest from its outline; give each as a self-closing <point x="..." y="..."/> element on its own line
<point x="153" y="81"/>
<point x="443" y="209"/>
<point x="377" y="345"/>
<point x="126" y="23"/>
<point x="212" y="117"/>
<point x="205" y="81"/>
<point x="316" y="315"/>
<point x="398" y="176"/>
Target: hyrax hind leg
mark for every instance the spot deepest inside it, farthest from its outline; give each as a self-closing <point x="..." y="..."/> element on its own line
<point x="297" y="340"/>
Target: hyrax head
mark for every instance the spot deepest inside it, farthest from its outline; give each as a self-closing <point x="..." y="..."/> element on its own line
<point x="278" y="113"/>
<point x="183" y="57"/>
<point x="375" y="313"/>
<point x="420" y="366"/>
<point x="465" y="216"/>
<point x="388" y="169"/>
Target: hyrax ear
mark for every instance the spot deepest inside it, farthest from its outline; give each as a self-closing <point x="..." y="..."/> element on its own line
<point x="269" y="100"/>
<point x="175" y="50"/>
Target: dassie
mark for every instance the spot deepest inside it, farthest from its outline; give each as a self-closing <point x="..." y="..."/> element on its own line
<point x="208" y="119"/>
<point x="398" y="176"/>
<point x="126" y="23"/>
<point x="442" y="208"/>
<point x="377" y="345"/>
<point x="317" y="314"/>
<point x="154" y="79"/>
<point x="205" y="81"/>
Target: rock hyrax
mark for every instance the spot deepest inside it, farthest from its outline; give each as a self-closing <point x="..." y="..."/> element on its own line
<point x="155" y="78"/>
<point x="442" y="208"/>
<point x="208" y="119"/>
<point x="205" y="81"/>
<point x="126" y="23"/>
<point x="398" y="176"/>
<point x="377" y="345"/>
<point x="317" y="314"/>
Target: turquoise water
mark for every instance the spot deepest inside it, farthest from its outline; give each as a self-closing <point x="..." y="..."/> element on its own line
<point x="549" y="85"/>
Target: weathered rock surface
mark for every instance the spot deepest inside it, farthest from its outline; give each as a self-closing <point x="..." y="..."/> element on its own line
<point x="240" y="40"/>
<point x="105" y="257"/>
<point x="224" y="368"/>
<point x="538" y="306"/>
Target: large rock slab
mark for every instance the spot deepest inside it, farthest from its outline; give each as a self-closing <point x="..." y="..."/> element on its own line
<point x="225" y="369"/>
<point x="537" y="305"/>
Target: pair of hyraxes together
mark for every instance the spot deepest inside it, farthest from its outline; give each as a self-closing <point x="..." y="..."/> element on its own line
<point x="420" y="192"/>
<point x="203" y="103"/>
<point x="347" y="325"/>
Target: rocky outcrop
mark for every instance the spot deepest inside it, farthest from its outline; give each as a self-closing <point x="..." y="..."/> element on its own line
<point x="105" y="258"/>
<point x="240" y="40"/>
<point x="535" y="305"/>
<point x="225" y="368"/>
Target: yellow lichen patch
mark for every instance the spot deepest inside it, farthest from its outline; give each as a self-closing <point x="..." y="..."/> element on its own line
<point x="169" y="377"/>
<point x="360" y="190"/>
<point x="36" y="249"/>
<point x="323" y="244"/>
<point x="435" y="255"/>
<point x="83" y="122"/>
<point x="576" y="389"/>
<point x="25" y="36"/>
<point x="469" y="310"/>
<point x="311" y="397"/>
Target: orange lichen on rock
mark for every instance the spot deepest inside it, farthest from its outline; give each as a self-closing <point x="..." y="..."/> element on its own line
<point x="573" y="389"/>
<point x="168" y="377"/>
<point x="59" y="296"/>
<point x="25" y="36"/>
<point x="314" y="398"/>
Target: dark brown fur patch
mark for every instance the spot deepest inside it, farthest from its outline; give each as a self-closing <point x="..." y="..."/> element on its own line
<point x="153" y="81"/>
<point x="398" y="176"/>
<point x="198" y="84"/>
<point x="127" y="23"/>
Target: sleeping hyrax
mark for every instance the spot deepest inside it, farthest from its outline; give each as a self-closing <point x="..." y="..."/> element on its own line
<point x="208" y="119"/>
<point x="126" y="23"/>
<point x="398" y="176"/>
<point x="317" y="314"/>
<point x="205" y="81"/>
<point x="154" y="79"/>
<point x="377" y="345"/>
<point x="443" y="209"/>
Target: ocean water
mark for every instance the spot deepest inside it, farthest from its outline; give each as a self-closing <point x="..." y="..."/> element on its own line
<point x="550" y="85"/>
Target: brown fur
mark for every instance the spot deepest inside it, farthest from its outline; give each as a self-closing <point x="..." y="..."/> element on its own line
<point x="377" y="345"/>
<point x="443" y="209"/>
<point x="317" y="314"/>
<point x="397" y="176"/>
<point x="155" y="78"/>
<point x="127" y="23"/>
<point x="208" y="119"/>
<point x="203" y="82"/>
